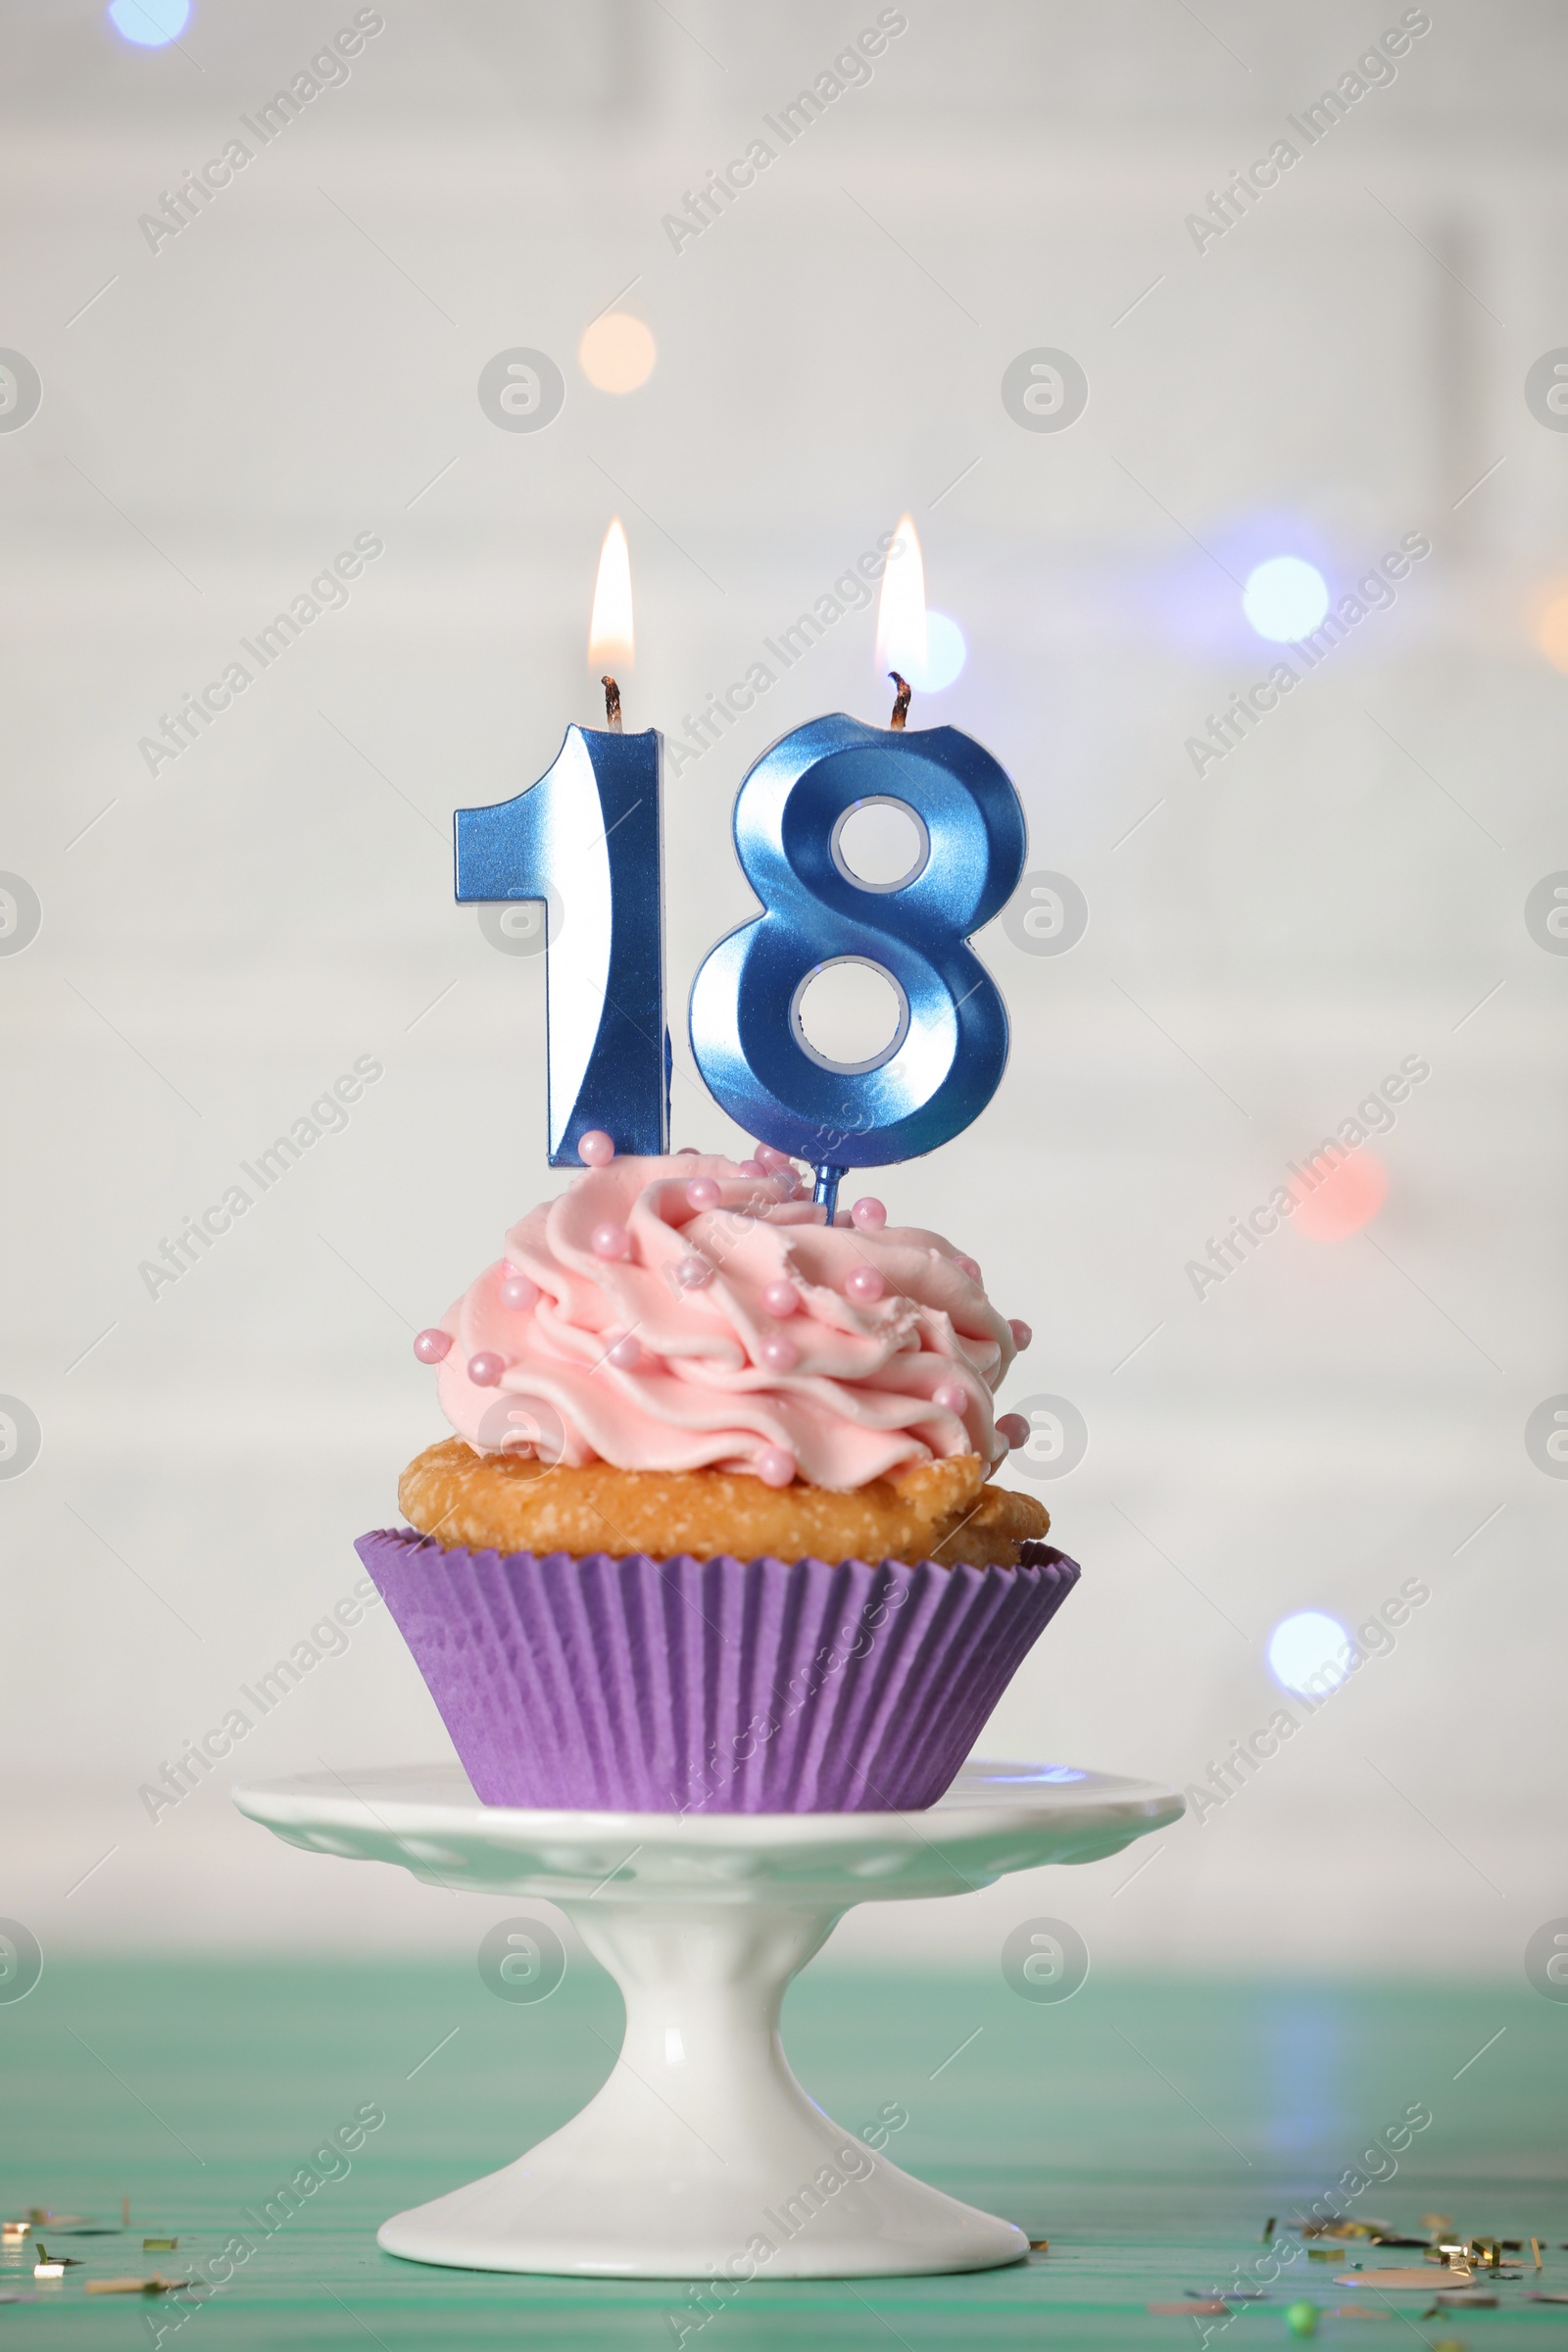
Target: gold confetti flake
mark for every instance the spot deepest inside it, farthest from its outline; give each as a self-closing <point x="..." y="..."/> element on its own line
<point x="155" y="2285"/>
<point x="1399" y="2281"/>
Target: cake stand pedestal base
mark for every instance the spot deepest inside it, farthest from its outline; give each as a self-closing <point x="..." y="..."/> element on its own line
<point x="702" y="2152"/>
<point x="702" y="2157"/>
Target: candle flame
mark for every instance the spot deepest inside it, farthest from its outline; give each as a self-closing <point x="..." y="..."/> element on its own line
<point x="610" y="632"/>
<point x="900" y="640"/>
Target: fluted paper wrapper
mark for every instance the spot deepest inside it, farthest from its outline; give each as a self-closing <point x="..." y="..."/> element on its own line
<point x="723" y="1685"/>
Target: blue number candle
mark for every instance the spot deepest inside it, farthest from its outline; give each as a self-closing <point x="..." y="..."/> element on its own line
<point x="587" y="839"/>
<point x="947" y="1059"/>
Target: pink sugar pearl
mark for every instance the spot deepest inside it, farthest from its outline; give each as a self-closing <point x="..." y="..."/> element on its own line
<point x="864" y="1285"/>
<point x="950" y="1397"/>
<point x="778" y="1353"/>
<point x="431" y="1346"/>
<point x="1014" y="1428"/>
<point x="485" y="1368"/>
<point x="694" y="1273"/>
<point x="750" y="1167"/>
<point x="775" y="1466"/>
<point x="628" y="1354"/>
<point x="969" y="1264"/>
<point x="701" y="1192"/>
<point x="595" y="1149"/>
<point x="775" y="1162"/>
<point x="518" y="1291"/>
<point x="609" y="1239"/>
<point x="781" y="1298"/>
<point x="870" y="1214"/>
<point x="1022" y="1336"/>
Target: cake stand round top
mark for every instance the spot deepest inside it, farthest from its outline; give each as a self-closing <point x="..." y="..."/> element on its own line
<point x="996" y="1818"/>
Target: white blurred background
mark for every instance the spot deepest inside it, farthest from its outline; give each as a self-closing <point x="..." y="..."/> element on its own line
<point x="1346" y="889"/>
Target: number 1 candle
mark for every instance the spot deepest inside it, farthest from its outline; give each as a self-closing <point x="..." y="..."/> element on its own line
<point x="587" y="839"/>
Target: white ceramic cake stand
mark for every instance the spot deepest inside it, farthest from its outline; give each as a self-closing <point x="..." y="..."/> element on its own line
<point x="701" y="2155"/>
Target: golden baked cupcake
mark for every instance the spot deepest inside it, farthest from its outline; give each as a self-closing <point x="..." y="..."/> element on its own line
<point x="717" y="1528"/>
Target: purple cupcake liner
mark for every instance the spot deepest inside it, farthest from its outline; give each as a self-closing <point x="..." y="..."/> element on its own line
<point x="721" y="1686"/>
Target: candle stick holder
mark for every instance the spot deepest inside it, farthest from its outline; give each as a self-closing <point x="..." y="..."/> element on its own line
<point x="825" y="1192"/>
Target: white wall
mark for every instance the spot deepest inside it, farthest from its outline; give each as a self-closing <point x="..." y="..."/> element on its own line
<point x="220" y="942"/>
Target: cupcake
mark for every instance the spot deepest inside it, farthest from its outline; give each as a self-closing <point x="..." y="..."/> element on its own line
<point x="717" y="1531"/>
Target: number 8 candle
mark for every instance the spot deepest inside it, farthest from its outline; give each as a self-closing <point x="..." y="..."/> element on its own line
<point x="946" y="1059"/>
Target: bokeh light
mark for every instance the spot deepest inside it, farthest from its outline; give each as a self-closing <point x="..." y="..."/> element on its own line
<point x="1346" y="1199"/>
<point x="1551" y="632"/>
<point x="946" y="654"/>
<point x="618" y="353"/>
<point x="1284" y="599"/>
<point x="1309" y="1653"/>
<point x="149" y="24"/>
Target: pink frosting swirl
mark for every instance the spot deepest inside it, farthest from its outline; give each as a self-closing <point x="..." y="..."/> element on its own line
<point x="659" y="1358"/>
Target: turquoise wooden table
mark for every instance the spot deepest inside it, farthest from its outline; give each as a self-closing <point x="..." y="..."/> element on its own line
<point x="1149" y="2130"/>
